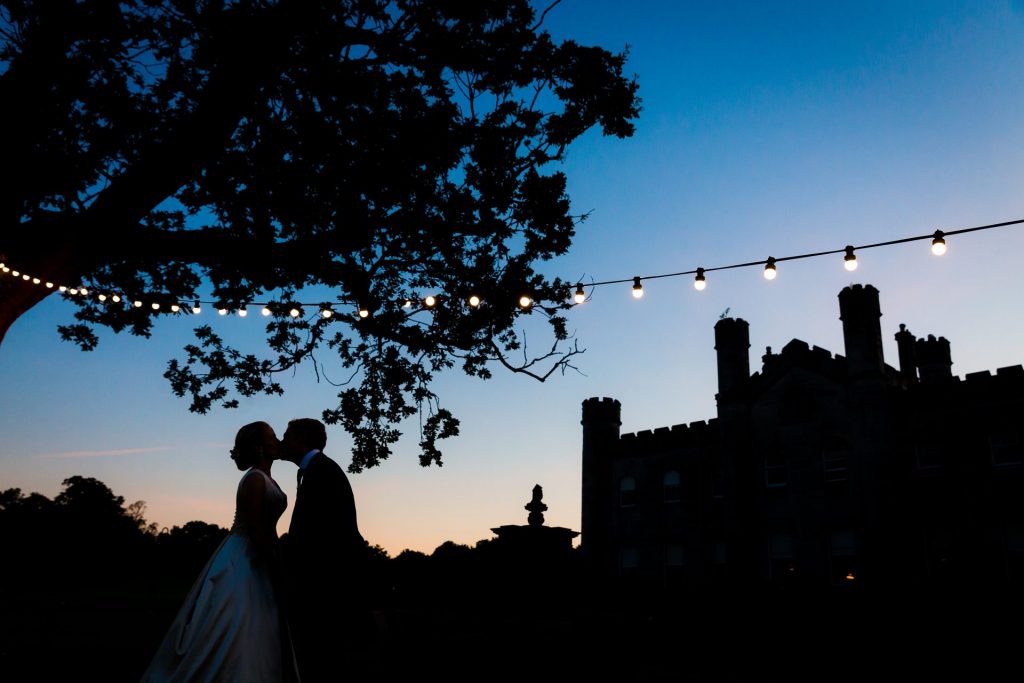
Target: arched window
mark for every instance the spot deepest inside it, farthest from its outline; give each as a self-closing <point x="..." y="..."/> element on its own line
<point x="672" y="485"/>
<point x="627" y="492"/>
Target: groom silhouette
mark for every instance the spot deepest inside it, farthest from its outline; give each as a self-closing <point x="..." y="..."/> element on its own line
<point x="325" y="555"/>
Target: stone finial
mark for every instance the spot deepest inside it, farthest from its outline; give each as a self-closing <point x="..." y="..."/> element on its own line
<point x="536" y="507"/>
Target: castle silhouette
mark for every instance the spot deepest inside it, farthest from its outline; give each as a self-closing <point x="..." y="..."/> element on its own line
<point x="820" y="471"/>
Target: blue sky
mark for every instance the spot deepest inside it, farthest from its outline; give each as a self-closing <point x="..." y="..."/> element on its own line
<point x="767" y="129"/>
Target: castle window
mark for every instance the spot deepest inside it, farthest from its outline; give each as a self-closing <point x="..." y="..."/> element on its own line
<point x="627" y="492"/>
<point x="1005" y="446"/>
<point x="929" y="457"/>
<point x="628" y="560"/>
<point x="775" y="469"/>
<point x="674" y="555"/>
<point x="781" y="567"/>
<point x="672" y="487"/>
<point x="834" y="465"/>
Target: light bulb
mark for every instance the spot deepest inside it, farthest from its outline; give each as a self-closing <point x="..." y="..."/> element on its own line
<point x="580" y="296"/>
<point x="407" y="304"/>
<point x="294" y="313"/>
<point x="116" y="299"/>
<point x="769" y="269"/>
<point x="49" y="285"/>
<point x="222" y="311"/>
<point x="242" y="312"/>
<point x="155" y="306"/>
<point x="72" y="291"/>
<point x="525" y="301"/>
<point x="699" y="283"/>
<point x="15" y="273"/>
<point x="137" y="304"/>
<point x="26" y="277"/>
<point x="175" y="308"/>
<point x="102" y="297"/>
<point x="35" y="281"/>
<point x="638" y="288"/>
<point x="938" y="244"/>
<point x="850" y="260"/>
<point x="474" y="301"/>
<point x="430" y="301"/>
<point x="326" y="312"/>
<point x="364" y="312"/>
<point x="265" y="311"/>
<point x="83" y="291"/>
<point x="196" y="308"/>
<point x="63" y="288"/>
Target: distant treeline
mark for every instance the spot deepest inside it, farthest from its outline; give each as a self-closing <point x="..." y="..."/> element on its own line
<point x="88" y="538"/>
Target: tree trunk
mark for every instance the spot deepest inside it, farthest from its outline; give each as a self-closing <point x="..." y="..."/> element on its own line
<point x="16" y="298"/>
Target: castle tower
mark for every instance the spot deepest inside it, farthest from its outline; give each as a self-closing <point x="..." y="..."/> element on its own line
<point x="732" y="343"/>
<point x="602" y="418"/>
<point x="862" y="330"/>
<point x="933" y="359"/>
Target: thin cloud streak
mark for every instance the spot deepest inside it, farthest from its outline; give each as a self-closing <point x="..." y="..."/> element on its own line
<point x="107" y="453"/>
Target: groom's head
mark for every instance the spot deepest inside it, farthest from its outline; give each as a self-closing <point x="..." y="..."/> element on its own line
<point x="302" y="436"/>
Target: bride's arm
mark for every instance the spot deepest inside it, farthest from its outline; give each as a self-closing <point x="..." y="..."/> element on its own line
<point x="262" y="535"/>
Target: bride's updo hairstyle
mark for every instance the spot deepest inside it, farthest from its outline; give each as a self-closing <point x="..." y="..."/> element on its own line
<point x="249" y="444"/>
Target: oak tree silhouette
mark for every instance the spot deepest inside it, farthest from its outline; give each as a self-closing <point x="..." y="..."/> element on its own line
<point x="374" y="151"/>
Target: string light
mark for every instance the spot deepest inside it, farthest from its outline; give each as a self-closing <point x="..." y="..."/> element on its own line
<point x="222" y="311"/>
<point x="242" y="312"/>
<point x="326" y="312"/>
<point x="938" y="246"/>
<point x="700" y="282"/>
<point x="850" y="260"/>
<point x="364" y="312"/>
<point x="580" y="295"/>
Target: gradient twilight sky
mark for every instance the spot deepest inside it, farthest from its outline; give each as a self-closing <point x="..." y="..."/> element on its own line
<point x="767" y="129"/>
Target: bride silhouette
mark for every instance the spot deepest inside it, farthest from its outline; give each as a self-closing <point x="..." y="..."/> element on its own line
<point x="231" y="627"/>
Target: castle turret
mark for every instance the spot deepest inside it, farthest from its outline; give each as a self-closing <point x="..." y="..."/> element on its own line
<point x="933" y="359"/>
<point x="602" y="418"/>
<point x="862" y="330"/>
<point x="905" y="342"/>
<point x="732" y="342"/>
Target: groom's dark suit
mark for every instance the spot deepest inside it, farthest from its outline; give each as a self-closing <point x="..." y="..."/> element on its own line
<point x="325" y="554"/>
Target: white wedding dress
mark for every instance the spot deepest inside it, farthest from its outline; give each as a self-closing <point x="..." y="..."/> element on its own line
<point x="229" y="628"/>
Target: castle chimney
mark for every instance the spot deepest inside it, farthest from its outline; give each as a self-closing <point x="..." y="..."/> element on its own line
<point x="602" y="418"/>
<point x="905" y="342"/>
<point x="862" y="330"/>
<point x="933" y="359"/>
<point x="732" y="342"/>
